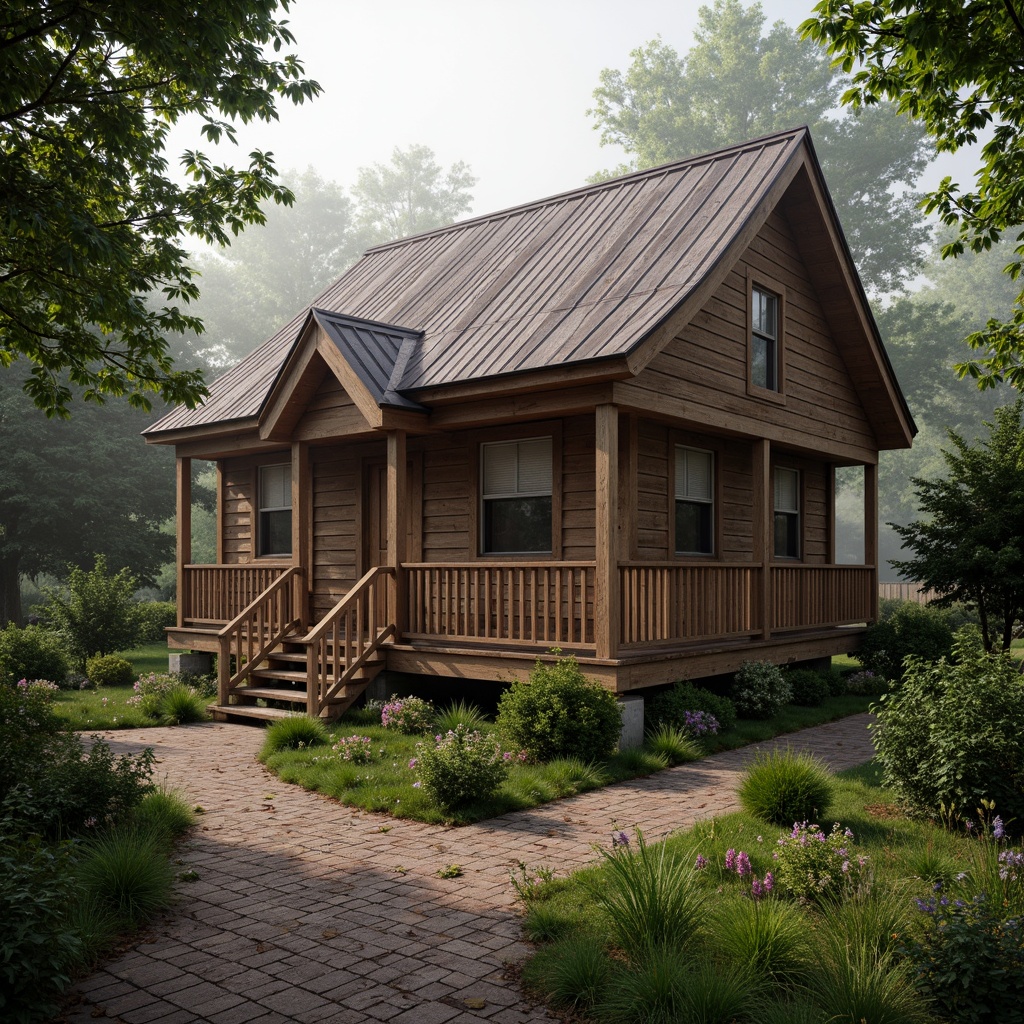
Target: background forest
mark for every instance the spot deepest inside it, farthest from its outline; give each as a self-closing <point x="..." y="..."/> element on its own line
<point x="89" y="484"/>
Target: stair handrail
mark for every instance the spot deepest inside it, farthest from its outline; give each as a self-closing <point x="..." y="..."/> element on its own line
<point x="317" y="694"/>
<point x="230" y="636"/>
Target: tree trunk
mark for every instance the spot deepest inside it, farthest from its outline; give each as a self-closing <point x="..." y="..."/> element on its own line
<point x="10" y="591"/>
<point x="983" y="616"/>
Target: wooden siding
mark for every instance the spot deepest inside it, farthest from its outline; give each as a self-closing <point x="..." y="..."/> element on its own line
<point x="336" y="544"/>
<point x="705" y="369"/>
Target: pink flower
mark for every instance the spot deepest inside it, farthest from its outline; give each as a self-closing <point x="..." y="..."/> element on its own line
<point x="742" y="864"/>
<point x="701" y="862"/>
<point x="769" y="881"/>
<point x="730" y="859"/>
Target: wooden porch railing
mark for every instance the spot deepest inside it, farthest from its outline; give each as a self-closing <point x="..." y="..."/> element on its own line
<point x="664" y="602"/>
<point x="258" y="628"/>
<point x="821" y="595"/>
<point x="217" y="593"/>
<point x="538" y="604"/>
<point x="345" y="639"/>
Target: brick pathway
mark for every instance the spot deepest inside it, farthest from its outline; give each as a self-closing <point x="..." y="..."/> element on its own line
<point x="308" y="911"/>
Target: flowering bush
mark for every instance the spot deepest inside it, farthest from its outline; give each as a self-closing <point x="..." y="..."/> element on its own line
<point x="461" y="766"/>
<point x="698" y="724"/>
<point x="739" y="862"/>
<point x="152" y="690"/>
<point x="672" y="706"/>
<point x="760" y="689"/>
<point x="969" y="957"/>
<point x="817" y="868"/>
<point x="408" y="714"/>
<point x="357" y="749"/>
<point x="31" y="653"/>
<point x="865" y="682"/>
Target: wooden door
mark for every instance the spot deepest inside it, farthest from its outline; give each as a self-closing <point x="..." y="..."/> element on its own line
<point x="375" y="537"/>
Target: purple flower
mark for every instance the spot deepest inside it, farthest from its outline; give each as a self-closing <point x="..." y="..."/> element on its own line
<point x="997" y="827"/>
<point x="730" y="859"/>
<point x="756" y="889"/>
<point x="412" y="762"/>
<point x="619" y="839"/>
<point x="769" y="881"/>
<point x="969" y="825"/>
<point x="742" y="864"/>
<point x="416" y="785"/>
<point x="701" y="862"/>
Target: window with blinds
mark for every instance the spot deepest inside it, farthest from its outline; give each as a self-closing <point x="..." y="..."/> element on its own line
<point x="787" y="513"/>
<point x="274" y="530"/>
<point x="695" y="501"/>
<point x="764" y="339"/>
<point x="516" y="496"/>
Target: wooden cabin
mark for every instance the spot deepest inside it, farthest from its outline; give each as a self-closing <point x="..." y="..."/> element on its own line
<point x="606" y="422"/>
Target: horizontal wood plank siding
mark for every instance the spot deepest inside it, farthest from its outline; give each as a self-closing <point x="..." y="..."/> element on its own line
<point x="705" y="368"/>
<point x="578" y="482"/>
<point x="447" y="518"/>
<point x="335" y="543"/>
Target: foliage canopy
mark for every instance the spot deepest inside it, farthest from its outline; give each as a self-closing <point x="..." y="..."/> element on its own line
<point x="955" y="68"/>
<point x="92" y="265"/>
<point x="738" y="82"/>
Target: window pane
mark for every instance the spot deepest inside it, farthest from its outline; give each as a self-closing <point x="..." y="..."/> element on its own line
<point x="787" y="535"/>
<point x="762" y="372"/>
<point x="276" y="533"/>
<point x="693" y="528"/>
<point x="499" y="468"/>
<point x="276" y="487"/>
<point x="517" y="525"/>
<point x="787" y="490"/>
<point x="535" y="466"/>
<point x="765" y="313"/>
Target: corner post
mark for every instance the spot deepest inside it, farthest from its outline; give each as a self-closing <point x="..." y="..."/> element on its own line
<point x="301" y="509"/>
<point x="397" y="524"/>
<point x="871" y="536"/>
<point x="764" y="507"/>
<point x="607" y="624"/>
<point x="183" y="524"/>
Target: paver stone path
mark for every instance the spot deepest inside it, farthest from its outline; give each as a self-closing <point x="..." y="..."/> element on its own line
<point x="305" y="910"/>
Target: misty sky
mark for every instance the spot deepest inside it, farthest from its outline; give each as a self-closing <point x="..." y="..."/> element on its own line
<point x="501" y="84"/>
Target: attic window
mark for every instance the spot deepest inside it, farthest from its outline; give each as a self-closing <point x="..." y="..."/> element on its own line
<point x="516" y="496"/>
<point x="764" y="339"/>
<point x="275" y="512"/>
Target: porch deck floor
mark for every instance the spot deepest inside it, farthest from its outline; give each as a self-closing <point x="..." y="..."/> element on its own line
<point x="301" y="913"/>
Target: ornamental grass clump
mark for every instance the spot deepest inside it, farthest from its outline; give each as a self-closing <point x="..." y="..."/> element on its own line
<point x="653" y="899"/>
<point x="782" y="787"/>
<point x="675" y="745"/>
<point x="409" y="715"/>
<point x="459" y="713"/>
<point x="818" y="868"/>
<point x="294" y="733"/>
<point x="182" y="705"/>
<point x="461" y="767"/>
<point x="767" y="937"/>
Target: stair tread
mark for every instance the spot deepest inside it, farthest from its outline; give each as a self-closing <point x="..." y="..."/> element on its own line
<point x="249" y="711"/>
<point x="270" y="693"/>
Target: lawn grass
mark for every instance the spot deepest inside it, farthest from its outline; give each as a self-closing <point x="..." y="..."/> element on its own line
<point x="106" y="707"/>
<point x="904" y="858"/>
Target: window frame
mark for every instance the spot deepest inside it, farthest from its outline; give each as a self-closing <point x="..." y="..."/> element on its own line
<point x="795" y="514"/>
<point x="710" y="503"/>
<point x="259" y="509"/>
<point x="760" y="283"/>
<point x="553" y="493"/>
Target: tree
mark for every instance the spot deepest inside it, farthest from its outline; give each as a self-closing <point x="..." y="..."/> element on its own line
<point x="410" y="195"/>
<point x="92" y="267"/>
<point x="956" y="68"/>
<point x="72" y="488"/>
<point x="259" y="282"/>
<point x="971" y="545"/>
<point x="736" y="83"/>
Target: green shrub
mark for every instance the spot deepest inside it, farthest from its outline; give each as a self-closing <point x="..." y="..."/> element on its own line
<point x="109" y="670"/>
<point x="27" y="722"/>
<point x="813" y="867"/>
<point x="783" y="787"/>
<point x="810" y="688"/>
<point x="97" y="612"/>
<point x="673" y="744"/>
<point x="151" y="690"/>
<point x="125" y="871"/>
<point x="409" y="715"/>
<point x="154" y="618"/>
<point x="560" y="713"/>
<point x="292" y="733"/>
<point x="912" y="629"/>
<point x="951" y="736"/>
<point x="836" y="682"/>
<point x="31" y="653"/>
<point x="66" y="790"/>
<point x="461" y="767"/>
<point x="37" y="948"/>
<point x="759" y="690"/>
<point x="671" y="706"/>
<point x="164" y="813"/>
<point x="576" y="972"/>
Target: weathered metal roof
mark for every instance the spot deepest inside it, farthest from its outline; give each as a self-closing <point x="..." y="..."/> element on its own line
<point x="582" y="276"/>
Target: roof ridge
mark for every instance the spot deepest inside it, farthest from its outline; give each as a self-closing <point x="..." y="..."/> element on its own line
<point x="597" y="186"/>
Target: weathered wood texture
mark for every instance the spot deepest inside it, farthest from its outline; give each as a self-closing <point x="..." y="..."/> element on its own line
<point x="704" y="370"/>
<point x="217" y="593"/>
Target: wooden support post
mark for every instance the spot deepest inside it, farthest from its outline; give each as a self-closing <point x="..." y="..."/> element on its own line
<point x="301" y="525"/>
<point x="830" y="511"/>
<point x="397" y="524"/>
<point x="764" y="526"/>
<point x="220" y="511"/>
<point x="183" y="521"/>
<point x="628" y="490"/>
<point x="607" y="625"/>
<point x="871" y="536"/>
